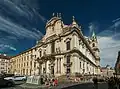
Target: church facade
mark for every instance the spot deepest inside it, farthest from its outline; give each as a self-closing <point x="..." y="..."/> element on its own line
<point x="63" y="50"/>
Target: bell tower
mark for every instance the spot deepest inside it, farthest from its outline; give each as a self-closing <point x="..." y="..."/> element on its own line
<point x="95" y="48"/>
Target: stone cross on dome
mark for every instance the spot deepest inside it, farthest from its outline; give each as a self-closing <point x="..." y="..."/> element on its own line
<point x="74" y="22"/>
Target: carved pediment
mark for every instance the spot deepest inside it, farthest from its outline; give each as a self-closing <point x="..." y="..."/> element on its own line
<point x="44" y="46"/>
<point x="67" y="39"/>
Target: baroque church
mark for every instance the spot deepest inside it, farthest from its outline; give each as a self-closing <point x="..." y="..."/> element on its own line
<point x="62" y="50"/>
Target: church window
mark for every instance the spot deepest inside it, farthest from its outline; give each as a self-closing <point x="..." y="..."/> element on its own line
<point x="52" y="47"/>
<point x="68" y="45"/>
<point x="80" y="64"/>
<point x="68" y="59"/>
<point x="83" y="65"/>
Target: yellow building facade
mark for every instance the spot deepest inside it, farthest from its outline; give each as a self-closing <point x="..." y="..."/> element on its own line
<point x="24" y="63"/>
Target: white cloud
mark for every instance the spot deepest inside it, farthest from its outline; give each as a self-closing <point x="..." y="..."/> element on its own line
<point x="4" y="47"/>
<point x="109" y="44"/>
<point x="17" y="30"/>
<point x="15" y="15"/>
<point x="108" y="50"/>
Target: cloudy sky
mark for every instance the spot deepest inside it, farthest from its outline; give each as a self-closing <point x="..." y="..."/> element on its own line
<point x="22" y="23"/>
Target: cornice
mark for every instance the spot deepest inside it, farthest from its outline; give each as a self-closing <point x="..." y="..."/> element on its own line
<point x="67" y="53"/>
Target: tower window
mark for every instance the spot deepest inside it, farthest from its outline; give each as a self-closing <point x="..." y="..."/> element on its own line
<point x="93" y="44"/>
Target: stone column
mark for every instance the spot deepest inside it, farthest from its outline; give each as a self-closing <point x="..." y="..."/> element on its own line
<point x="62" y="67"/>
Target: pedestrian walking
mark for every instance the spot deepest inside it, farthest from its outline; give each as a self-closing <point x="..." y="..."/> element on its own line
<point x="95" y="81"/>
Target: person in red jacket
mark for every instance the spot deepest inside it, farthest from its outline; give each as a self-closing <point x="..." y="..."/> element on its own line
<point x="56" y="82"/>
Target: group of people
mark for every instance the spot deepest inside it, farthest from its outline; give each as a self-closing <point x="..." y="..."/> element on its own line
<point x="113" y="82"/>
<point x="51" y="82"/>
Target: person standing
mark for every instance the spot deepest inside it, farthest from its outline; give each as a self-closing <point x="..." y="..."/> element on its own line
<point x="112" y="83"/>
